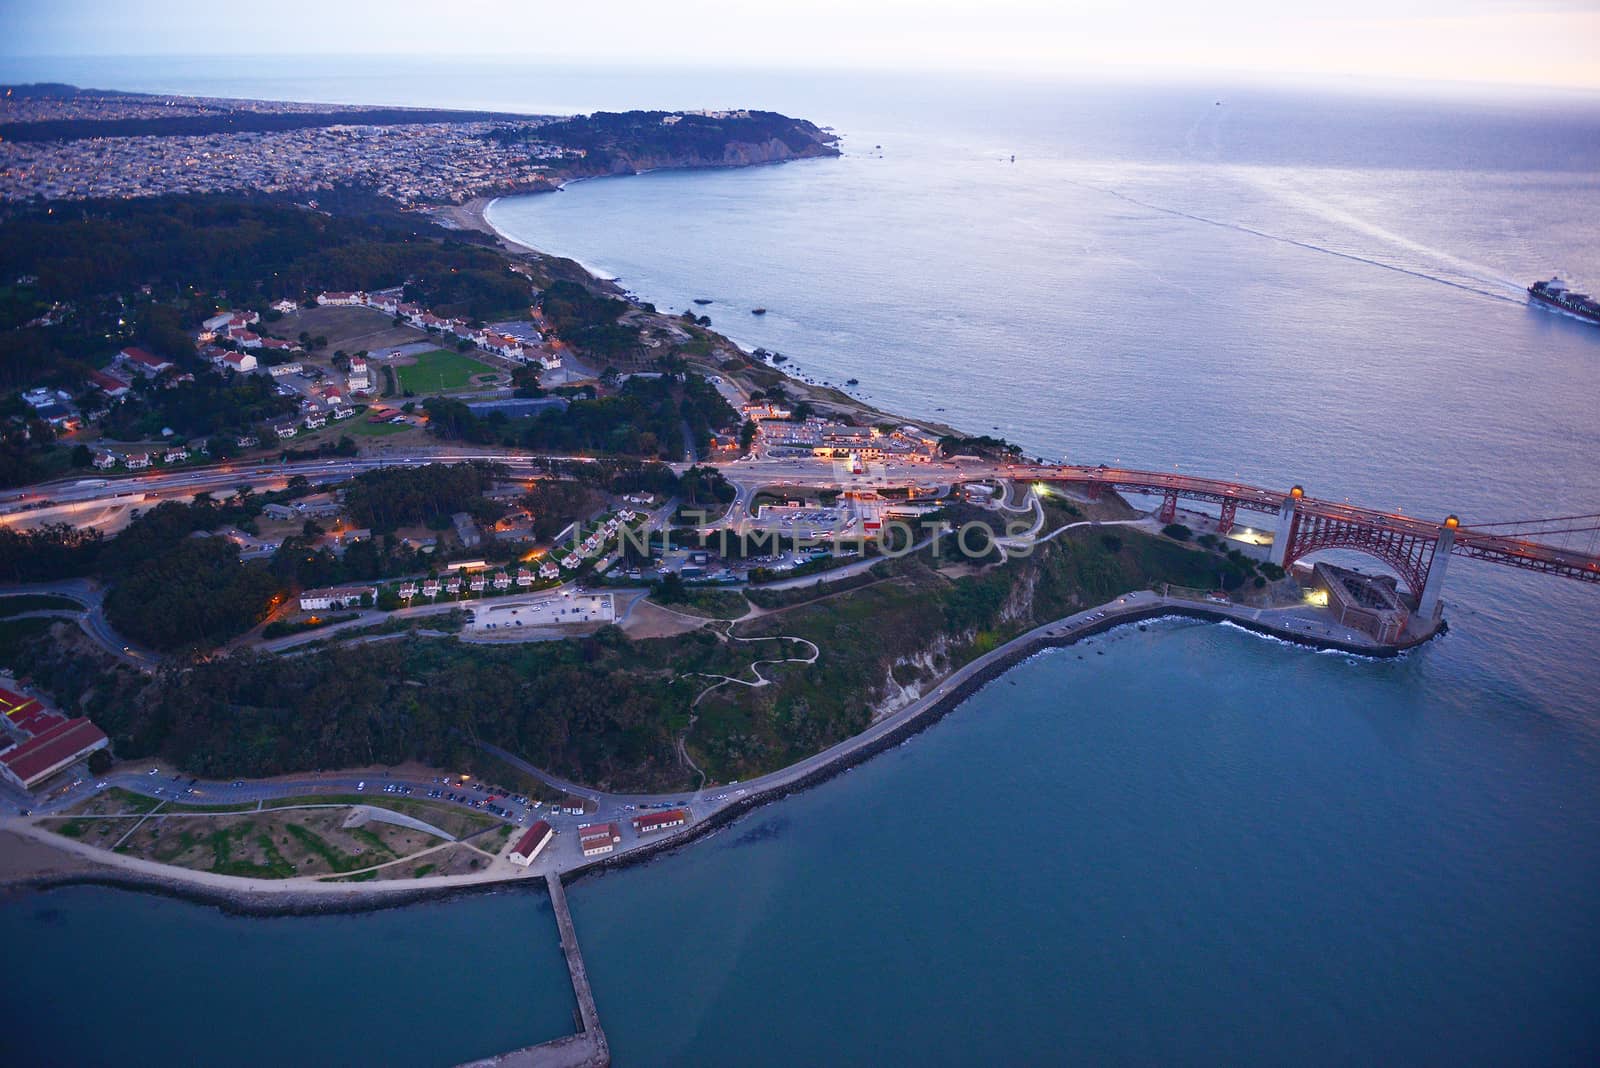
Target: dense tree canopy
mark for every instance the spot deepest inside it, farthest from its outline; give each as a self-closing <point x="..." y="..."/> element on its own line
<point x="646" y="418"/>
<point x="195" y="592"/>
<point x="397" y="496"/>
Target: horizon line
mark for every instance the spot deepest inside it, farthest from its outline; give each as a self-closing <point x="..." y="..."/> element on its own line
<point x="1340" y="80"/>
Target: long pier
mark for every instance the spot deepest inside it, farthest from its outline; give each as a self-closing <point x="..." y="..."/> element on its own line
<point x="588" y="1047"/>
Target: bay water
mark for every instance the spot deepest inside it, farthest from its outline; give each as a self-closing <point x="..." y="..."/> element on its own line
<point x="1182" y="844"/>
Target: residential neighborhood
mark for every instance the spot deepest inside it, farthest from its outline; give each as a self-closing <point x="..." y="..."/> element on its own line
<point x="414" y="164"/>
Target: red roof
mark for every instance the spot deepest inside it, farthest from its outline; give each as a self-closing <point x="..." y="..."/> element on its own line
<point x="657" y="819"/>
<point x="593" y="831"/>
<point x="14" y="704"/>
<point x="105" y="382"/>
<point x="138" y="355"/>
<point x="37" y="720"/>
<point x="531" y="840"/>
<point x="57" y="745"/>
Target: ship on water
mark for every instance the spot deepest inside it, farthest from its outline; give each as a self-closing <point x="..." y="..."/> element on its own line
<point x="1557" y="294"/>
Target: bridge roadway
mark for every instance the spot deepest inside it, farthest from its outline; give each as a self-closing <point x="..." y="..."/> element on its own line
<point x="1479" y="544"/>
<point x="749" y="474"/>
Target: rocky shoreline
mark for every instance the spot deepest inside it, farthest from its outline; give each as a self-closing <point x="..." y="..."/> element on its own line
<point x="281" y="900"/>
<point x="371" y="897"/>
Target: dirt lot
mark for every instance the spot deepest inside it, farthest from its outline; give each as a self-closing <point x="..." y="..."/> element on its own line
<point x="271" y="844"/>
<point x="350" y="329"/>
<point x="451" y="860"/>
<point x="451" y="819"/>
<point x="648" y="620"/>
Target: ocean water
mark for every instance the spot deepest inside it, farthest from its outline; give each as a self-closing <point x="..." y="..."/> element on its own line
<point x="1186" y="844"/>
<point x="117" y="977"/>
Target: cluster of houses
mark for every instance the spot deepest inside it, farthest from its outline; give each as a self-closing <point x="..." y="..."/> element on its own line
<point x="594" y="839"/>
<point x="477" y="582"/>
<point x="55" y="407"/>
<point x="312" y="421"/>
<point x="389" y="302"/>
<point x="139" y="461"/>
<point x="114" y="382"/>
<point x="591" y="545"/>
<point x="234" y="326"/>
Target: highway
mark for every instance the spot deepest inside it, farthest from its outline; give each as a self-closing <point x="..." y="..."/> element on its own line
<point x="67" y="500"/>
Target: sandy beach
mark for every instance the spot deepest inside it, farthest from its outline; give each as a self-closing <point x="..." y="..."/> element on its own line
<point x="472" y="216"/>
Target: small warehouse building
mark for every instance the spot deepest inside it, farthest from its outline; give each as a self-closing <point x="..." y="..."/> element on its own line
<point x="598" y="838"/>
<point x="660" y="821"/>
<point x="532" y="844"/>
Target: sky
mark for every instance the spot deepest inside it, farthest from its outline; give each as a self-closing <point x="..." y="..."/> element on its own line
<point x="1533" y="42"/>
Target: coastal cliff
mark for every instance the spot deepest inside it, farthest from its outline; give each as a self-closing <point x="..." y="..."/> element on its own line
<point x="734" y="154"/>
<point x="634" y="141"/>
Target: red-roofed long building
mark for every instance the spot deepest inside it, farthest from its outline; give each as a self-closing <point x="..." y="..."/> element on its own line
<point x="660" y="821"/>
<point x="111" y="387"/>
<point x="145" y="361"/>
<point x="51" y="750"/>
<point x="531" y="844"/>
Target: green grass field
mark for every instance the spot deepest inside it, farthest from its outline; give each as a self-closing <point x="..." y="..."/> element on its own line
<point x="440" y="372"/>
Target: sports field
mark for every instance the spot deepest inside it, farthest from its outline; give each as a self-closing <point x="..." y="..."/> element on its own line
<point x="440" y="371"/>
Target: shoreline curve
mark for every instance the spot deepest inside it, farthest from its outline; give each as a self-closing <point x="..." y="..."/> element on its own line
<point x="351" y="898"/>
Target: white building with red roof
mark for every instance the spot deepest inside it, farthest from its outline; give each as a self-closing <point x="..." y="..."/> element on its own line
<point x="598" y="838"/>
<point x="531" y="844"/>
<point x="107" y="384"/>
<point x="359" y="381"/>
<point x="144" y="361"/>
<point x="326" y="597"/>
<point x="659" y="821"/>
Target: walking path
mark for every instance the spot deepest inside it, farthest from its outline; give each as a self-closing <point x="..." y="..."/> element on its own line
<point x="726" y="634"/>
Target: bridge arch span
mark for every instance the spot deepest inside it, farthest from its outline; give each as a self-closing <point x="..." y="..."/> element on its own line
<point x="1410" y="554"/>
